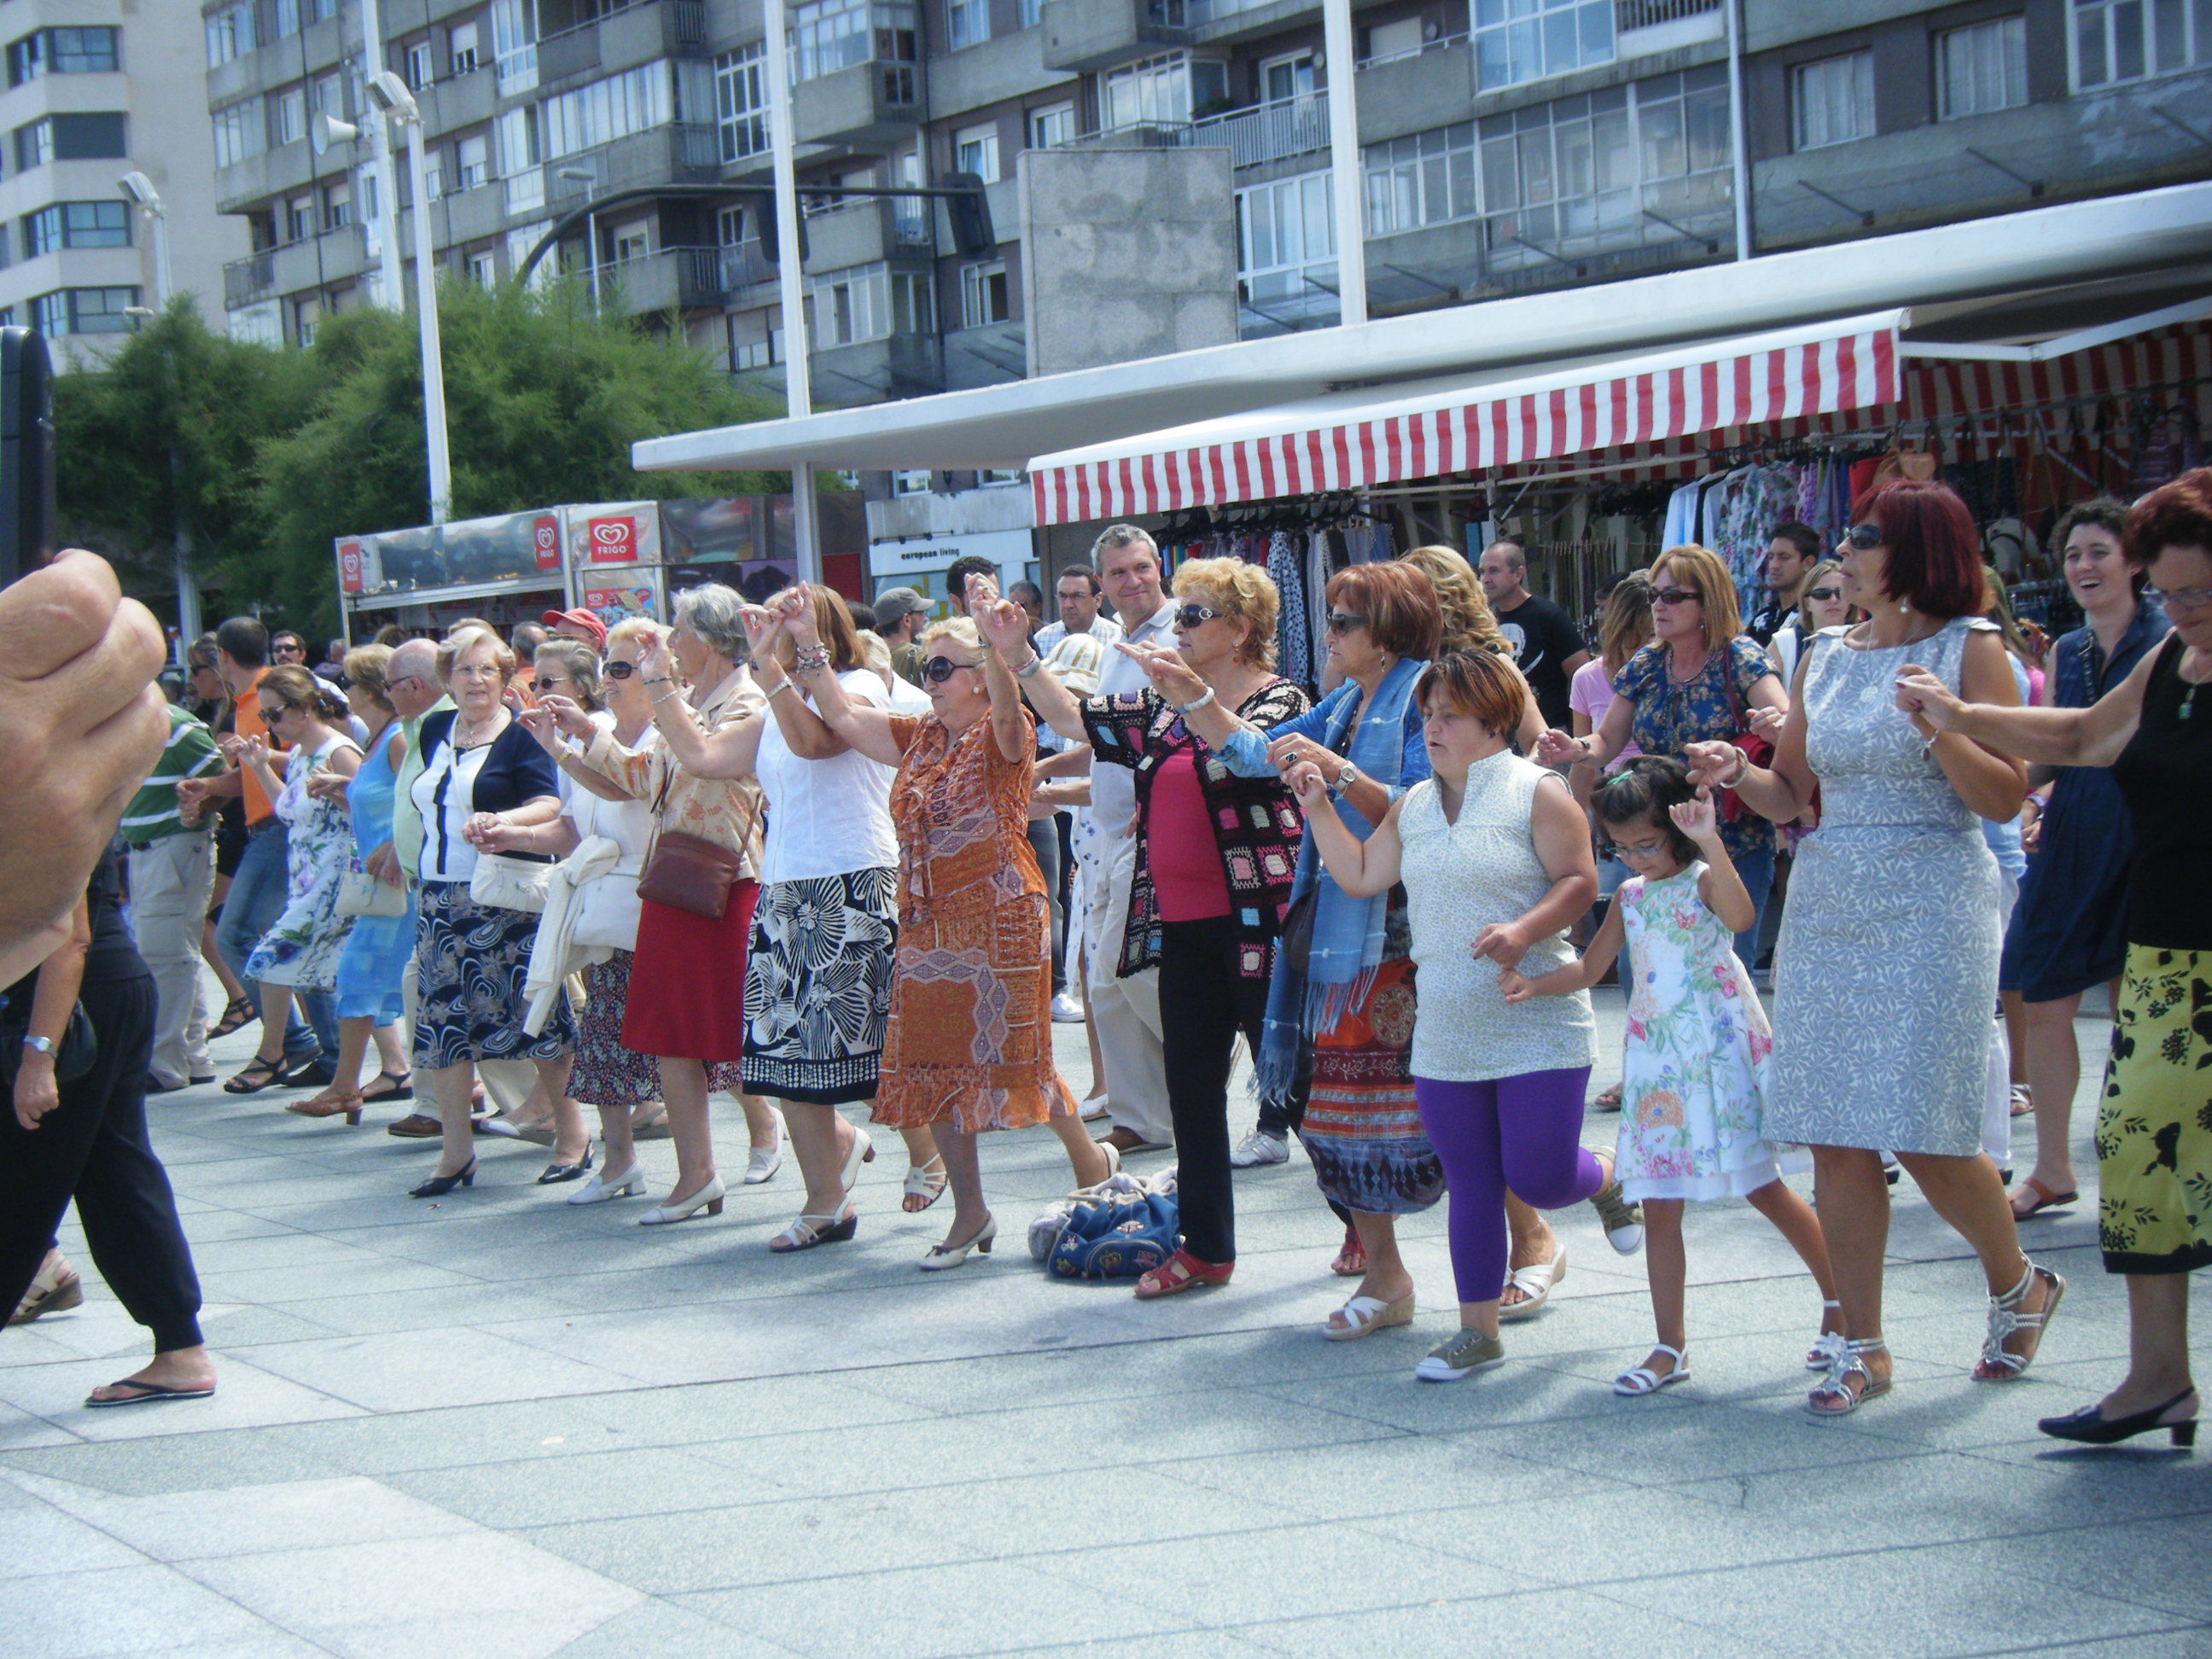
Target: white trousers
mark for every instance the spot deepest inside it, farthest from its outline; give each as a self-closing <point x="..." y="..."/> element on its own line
<point x="171" y="881"/>
<point x="1125" y="1012"/>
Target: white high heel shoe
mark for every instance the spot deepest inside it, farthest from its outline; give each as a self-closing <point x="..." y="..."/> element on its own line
<point x="708" y="1198"/>
<point x="941" y="1256"/>
<point x="607" y="1184"/>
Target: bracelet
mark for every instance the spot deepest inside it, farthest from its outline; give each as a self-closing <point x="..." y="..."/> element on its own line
<point x="1742" y="767"/>
<point x="1028" y="670"/>
<point x="810" y="657"/>
<point x="658" y="679"/>
<point x="664" y="696"/>
<point x="781" y="685"/>
<point x="1194" y="705"/>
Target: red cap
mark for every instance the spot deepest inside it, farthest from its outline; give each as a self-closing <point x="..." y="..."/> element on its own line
<point x="587" y="620"/>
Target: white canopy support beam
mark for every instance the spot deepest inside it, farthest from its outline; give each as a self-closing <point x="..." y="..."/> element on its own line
<point x="2063" y="345"/>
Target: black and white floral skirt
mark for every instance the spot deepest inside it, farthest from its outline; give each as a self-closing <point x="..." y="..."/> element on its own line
<point x="818" y="986"/>
<point x="470" y="962"/>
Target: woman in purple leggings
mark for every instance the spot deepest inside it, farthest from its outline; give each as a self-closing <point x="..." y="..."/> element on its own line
<point x="1496" y="860"/>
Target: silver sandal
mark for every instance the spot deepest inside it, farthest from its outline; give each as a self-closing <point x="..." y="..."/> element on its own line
<point x="1836" y="1386"/>
<point x="1997" y="1363"/>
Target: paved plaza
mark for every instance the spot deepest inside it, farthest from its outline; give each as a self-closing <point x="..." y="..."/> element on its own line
<point x="496" y="1427"/>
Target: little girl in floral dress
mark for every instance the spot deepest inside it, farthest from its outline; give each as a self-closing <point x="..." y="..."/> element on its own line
<point x="1694" y="1070"/>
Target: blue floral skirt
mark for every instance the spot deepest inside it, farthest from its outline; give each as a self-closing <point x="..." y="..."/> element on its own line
<point x="470" y="962"/>
<point x="818" y="986"/>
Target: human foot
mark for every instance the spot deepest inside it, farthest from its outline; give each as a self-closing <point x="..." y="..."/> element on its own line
<point x="182" y="1374"/>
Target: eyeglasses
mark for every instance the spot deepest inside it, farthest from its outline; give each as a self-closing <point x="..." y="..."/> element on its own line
<point x="546" y="684"/>
<point x="1674" y="595"/>
<point x="1862" y="537"/>
<point x="1639" y="849"/>
<point x="935" y="670"/>
<point x="1339" y="623"/>
<point x="2188" y="599"/>
<point x="1195" y="616"/>
<point x="617" y="670"/>
<point x="270" y="716"/>
<point x="290" y="649"/>
<point x="1824" y="594"/>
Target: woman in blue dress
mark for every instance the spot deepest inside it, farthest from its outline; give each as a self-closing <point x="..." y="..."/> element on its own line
<point x="377" y="949"/>
<point x="2068" y="932"/>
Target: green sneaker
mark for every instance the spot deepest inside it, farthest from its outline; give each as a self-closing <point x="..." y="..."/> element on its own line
<point x="1623" y="1221"/>
<point x="1464" y="1354"/>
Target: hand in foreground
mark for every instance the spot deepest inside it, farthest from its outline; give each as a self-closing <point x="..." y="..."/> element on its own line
<point x="1696" y="818"/>
<point x="328" y="785"/>
<point x="1306" y="781"/>
<point x="36" y="1091"/>
<point x="1503" y="942"/>
<point x="1712" y="764"/>
<point x="1284" y="753"/>
<point x="1556" y="748"/>
<point x="1767" y="723"/>
<point x="383" y="863"/>
<point x="568" y="715"/>
<point x="760" y="625"/>
<point x="541" y="725"/>
<point x="1513" y="986"/>
<point x="794" y="609"/>
<point x="983" y="593"/>
<point x="1930" y="702"/>
<point x="480" y="831"/>
<point x="488" y="834"/>
<point x="1005" y="629"/>
<point x="654" y="661"/>
<point x="1171" y="675"/>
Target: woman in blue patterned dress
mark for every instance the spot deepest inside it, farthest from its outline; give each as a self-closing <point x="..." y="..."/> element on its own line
<point x="1892" y="920"/>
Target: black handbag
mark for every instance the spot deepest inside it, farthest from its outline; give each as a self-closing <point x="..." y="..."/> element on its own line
<point x="73" y="1054"/>
<point x="1294" y="944"/>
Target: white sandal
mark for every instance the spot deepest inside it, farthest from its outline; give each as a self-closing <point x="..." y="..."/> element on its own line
<point x="1640" y="1380"/>
<point x="1534" y="1285"/>
<point x="1829" y="1346"/>
<point x="926" y="1182"/>
<point x="1365" y="1314"/>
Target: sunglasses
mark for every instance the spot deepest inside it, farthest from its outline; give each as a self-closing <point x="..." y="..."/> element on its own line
<point x="935" y="670"/>
<point x="270" y="716"/>
<point x="1339" y="623"/>
<point x="1824" y="594"/>
<point x="543" y="686"/>
<point x="291" y="650"/>
<point x="1862" y="537"/>
<point x="617" y="670"/>
<point x="1194" y="616"/>
<point x="1674" y="595"/>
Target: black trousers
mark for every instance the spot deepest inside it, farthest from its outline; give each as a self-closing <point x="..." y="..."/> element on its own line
<point x="94" y="1148"/>
<point x="1044" y="841"/>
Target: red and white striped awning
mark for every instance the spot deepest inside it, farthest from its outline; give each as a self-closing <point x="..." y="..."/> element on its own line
<point x="1387" y="435"/>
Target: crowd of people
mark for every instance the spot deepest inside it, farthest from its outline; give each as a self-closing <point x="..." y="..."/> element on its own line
<point x="811" y="853"/>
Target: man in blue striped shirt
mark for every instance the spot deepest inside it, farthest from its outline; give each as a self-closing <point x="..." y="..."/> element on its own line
<point x="172" y="879"/>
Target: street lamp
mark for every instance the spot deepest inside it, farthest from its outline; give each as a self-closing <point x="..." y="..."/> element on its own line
<point x="590" y="180"/>
<point x="140" y="189"/>
<point x="389" y="95"/>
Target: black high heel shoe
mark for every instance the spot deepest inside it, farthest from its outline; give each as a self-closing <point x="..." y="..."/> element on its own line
<point x="556" y="1173"/>
<point x="2090" y="1427"/>
<point x="439" y="1186"/>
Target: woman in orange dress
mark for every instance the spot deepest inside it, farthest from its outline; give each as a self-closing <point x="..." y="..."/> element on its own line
<point x="969" y="1047"/>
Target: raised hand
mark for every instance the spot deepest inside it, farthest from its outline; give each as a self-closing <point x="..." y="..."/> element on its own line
<point x="1696" y="818"/>
<point x="794" y="609"/>
<point x="983" y="593"/>
<point x="254" y="752"/>
<point x="1713" y="764"/>
<point x="1921" y="694"/>
<point x="1005" y="626"/>
<point x="1503" y="942"/>
<point x="1163" y="666"/>
<point x="760" y="629"/>
<point x="1306" y="781"/>
<point x="1556" y="748"/>
<point x="654" y="661"/>
<point x="541" y="725"/>
<point x="569" y="715"/>
<point x="1286" y="752"/>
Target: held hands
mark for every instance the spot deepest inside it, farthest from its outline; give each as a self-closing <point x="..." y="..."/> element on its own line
<point x="1555" y="748"/>
<point x="482" y="832"/>
<point x="540" y="724"/>
<point x="760" y="623"/>
<point x="1696" y="818"/>
<point x="1286" y="752"/>
<point x="1513" y="986"/>
<point x="794" y="608"/>
<point x="1005" y="626"/>
<point x="1503" y="942"/>
<point x="1163" y="666"/>
<point x="568" y="715"/>
<point x="1713" y="765"/>
<point x="1306" y="781"/>
<point x="1930" y="701"/>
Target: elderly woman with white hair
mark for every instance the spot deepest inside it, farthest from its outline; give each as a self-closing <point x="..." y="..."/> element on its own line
<point x="687" y="989"/>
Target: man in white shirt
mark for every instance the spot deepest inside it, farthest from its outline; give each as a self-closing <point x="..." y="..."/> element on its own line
<point x="1075" y="649"/>
<point x="1125" y="1012"/>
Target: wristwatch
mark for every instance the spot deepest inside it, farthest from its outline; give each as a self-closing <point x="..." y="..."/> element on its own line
<point x="44" y="1045"/>
<point x="1344" y="777"/>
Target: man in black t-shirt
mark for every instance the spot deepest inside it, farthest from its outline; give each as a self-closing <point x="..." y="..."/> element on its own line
<point x="1546" y="642"/>
<point x="1791" y="552"/>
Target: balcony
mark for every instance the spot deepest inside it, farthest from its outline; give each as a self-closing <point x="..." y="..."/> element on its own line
<point x="870" y="103"/>
<point x="460" y="101"/>
<point x="1643" y="26"/>
<point x="1268" y="132"/>
<point x="313" y="261"/>
<point x="680" y="153"/>
<point x="668" y="279"/>
<point x="1097" y="35"/>
<point x="253" y="277"/>
<point x="1415" y="92"/>
<point x="862" y="232"/>
<point x="622" y="40"/>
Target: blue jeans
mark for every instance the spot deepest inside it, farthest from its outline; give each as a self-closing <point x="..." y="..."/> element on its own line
<point x="249" y="910"/>
<point x="1757" y="870"/>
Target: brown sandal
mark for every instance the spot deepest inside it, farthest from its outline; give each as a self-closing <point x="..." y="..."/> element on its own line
<point x="348" y="1106"/>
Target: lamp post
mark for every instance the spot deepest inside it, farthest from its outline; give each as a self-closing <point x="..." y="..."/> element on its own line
<point x="140" y="189"/>
<point x="180" y="540"/>
<point x="590" y="180"/>
<point x="790" y="280"/>
<point x="389" y="95"/>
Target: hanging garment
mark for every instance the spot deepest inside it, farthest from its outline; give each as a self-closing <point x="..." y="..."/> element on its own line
<point x="1292" y="638"/>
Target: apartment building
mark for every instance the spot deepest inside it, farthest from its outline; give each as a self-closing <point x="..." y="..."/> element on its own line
<point x="91" y="93"/>
<point x="1507" y="145"/>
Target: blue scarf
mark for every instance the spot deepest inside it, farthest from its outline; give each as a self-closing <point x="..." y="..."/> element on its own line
<point x="1347" y="931"/>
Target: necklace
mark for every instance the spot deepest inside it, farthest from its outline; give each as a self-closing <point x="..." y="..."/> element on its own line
<point x="2188" y="698"/>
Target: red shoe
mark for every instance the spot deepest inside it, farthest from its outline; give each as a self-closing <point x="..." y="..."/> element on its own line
<point x="1351" y="1260"/>
<point x="1179" y="1272"/>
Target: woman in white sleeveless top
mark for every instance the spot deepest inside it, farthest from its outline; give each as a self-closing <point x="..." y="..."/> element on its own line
<point x="1495" y="857"/>
<point x="1892" y="920"/>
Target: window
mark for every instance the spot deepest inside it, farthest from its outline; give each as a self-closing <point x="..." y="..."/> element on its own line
<point x="1286" y="230"/>
<point x="633" y="241"/>
<point x="1160" y="91"/>
<point x="515" y="44"/>
<point x="1388" y="41"/>
<point x="299" y="218"/>
<point x="50" y="314"/>
<point x="910" y="484"/>
<point x="1027" y="13"/>
<point x="34" y="146"/>
<point x="867" y="302"/>
<point x="741" y="100"/>
<point x="241" y="131"/>
<point x="829" y="35"/>
<point x="1518" y="40"/>
<point x="755" y="338"/>
<point x="88" y="137"/>
<point x="461" y="48"/>
<point x="1832" y="101"/>
<point x="473" y="156"/>
<point x="975" y="149"/>
<point x="1053" y="125"/>
<point x="288" y="116"/>
<point x="1423" y="179"/>
<point x="416" y="66"/>
<point x="61" y="52"/>
<point x="327" y="97"/>
<point x="229" y="35"/>
<point x="305" y="314"/>
<point x="2127" y="40"/>
<point x="914" y="303"/>
<point x="483" y="269"/>
<point x="1981" y="67"/>
<point x="983" y="295"/>
<point x="434" y="175"/>
<point x="632" y="101"/>
<point x="337" y="205"/>
<point x="83" y="311"/>
<point x="76" y="224"/>
<point x="968" y="22"/>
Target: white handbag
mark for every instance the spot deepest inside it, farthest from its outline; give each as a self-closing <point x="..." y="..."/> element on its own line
<point x="503" y="882"/>
<point x="609" y="912"/>
<point x="361" y="893"/>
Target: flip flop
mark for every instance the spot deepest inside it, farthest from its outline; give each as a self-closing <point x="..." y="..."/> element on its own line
<point x="1534" y="1284"/>
<point x="2045" y="1198"/>
<point x="149" y="1394"/>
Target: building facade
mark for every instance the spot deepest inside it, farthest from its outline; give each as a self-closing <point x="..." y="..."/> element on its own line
<point x="1505" y="148"/>
<point x="91" y="93"/>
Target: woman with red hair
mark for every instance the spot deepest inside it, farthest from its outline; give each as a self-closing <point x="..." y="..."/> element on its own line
<point x="1893" y="918"/>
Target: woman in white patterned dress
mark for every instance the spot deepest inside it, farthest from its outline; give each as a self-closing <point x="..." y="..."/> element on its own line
<point x="1892" y="920"/>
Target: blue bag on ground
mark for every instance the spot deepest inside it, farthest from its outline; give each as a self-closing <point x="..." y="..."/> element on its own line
<point x="1120" y="1238"/>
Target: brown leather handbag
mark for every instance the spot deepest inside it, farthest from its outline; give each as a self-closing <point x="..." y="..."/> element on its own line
<point x="687" y="872"/>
